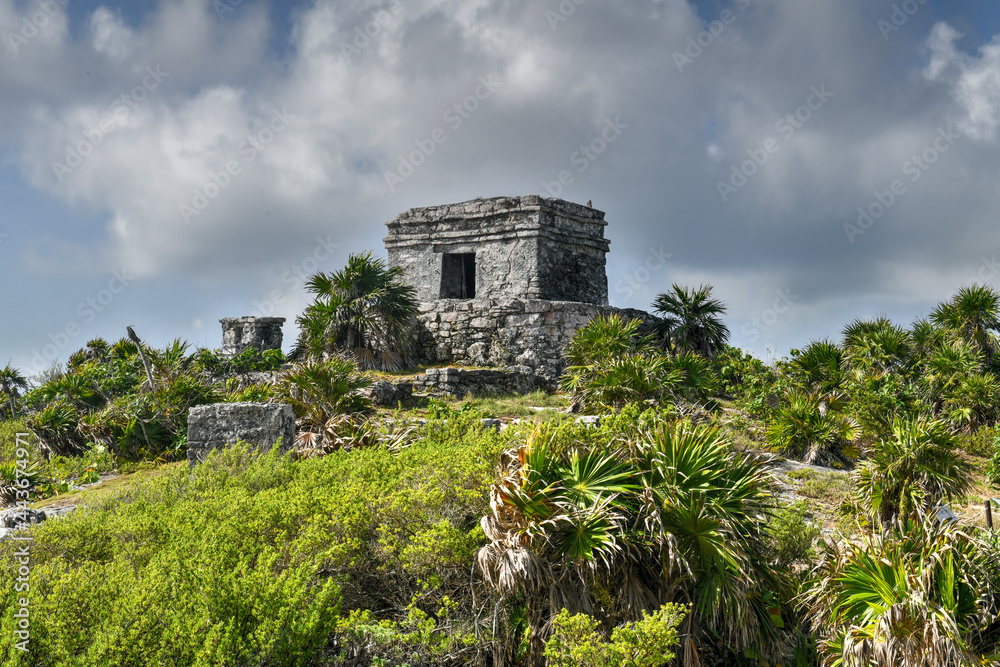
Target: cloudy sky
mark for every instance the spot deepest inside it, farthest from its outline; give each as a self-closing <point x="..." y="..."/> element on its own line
<point x="167" y="163"/>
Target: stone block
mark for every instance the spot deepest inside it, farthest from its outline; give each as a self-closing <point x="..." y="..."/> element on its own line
<point x="221" y="425"/>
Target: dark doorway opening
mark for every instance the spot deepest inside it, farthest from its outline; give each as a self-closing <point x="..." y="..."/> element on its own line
<point x="458" y="276"/>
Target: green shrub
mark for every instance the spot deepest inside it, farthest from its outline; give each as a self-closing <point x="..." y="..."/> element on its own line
<point x="791" y="536"/>
<point x="983" y="442"/>
<point x="576" y="642"/>
<point x="249" y="559"/>
<point x="993" y="468"/>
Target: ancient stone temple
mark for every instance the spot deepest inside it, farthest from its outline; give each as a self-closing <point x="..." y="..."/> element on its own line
<point x="503" y="282"/>
<point x="519" y="247"/>
<point x="260" y="333"/>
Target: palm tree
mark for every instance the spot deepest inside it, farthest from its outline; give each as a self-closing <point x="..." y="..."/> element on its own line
<point x="669" y="514"/>
<point x="691" y="320"/>
<point x="11" y="381"/>
<point x="819" y="367"/>
<point x="810" y="426"/>
<point x="974" y="314"/>
<point x="915" y="468"/>
<point x="908" y="596"/>
<point x="364" y="311"/>
<point x="876" y="347"/>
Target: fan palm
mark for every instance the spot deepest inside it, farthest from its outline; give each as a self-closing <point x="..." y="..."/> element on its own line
<point x="915" y="468"/>
<point x="974" y="401"/>
<point x="819" y="367"/>
<point x="907" y="596"/>
<point x="945" y="369"/>
<point x="318" y="390"/>
<point x="610" y="365"/>
<point x="811" y="426"/>
<point x="11" y="381"/>
<point x="670" y="515"/>
<point x="364" y="311"/>
<point x="974" y="314"/>
<point x="691" y="320"/>
<point x="876" y="347"/>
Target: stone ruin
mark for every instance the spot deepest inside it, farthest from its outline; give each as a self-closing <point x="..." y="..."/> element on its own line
<point x="504" y="282"/>
<point x="260" y="333"/>
<point x="222" y="425"/>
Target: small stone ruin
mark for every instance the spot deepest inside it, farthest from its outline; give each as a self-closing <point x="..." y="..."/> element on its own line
<point x="504" y="282"/>
<point x="260" y="333"/>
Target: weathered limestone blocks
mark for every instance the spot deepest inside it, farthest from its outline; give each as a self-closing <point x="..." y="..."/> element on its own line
<point x="508" y="332"/>
<point x="220" y="425"/>
<point x="261" y="333"/>
<point x="478" y="381"/>
<point x="516" y="247"/>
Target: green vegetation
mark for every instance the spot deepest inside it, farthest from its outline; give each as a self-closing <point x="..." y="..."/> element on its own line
<point x="670" y="532"/>
<point x="575" y="641"/>
<point x="363" y="311"/>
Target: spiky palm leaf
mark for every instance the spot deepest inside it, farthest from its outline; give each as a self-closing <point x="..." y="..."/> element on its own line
<point x="812" y="427"/>
<point x="673" y="514"/>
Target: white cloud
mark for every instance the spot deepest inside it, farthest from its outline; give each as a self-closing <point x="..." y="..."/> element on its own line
<point x="975" y="81"/>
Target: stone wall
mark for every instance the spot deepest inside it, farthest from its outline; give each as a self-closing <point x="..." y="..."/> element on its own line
<point x="507" y="332"/>
<point x="221" y="425"/>
<point x="478" y="381"/>
<point x="261" y="333"/>
<point x="522" y="247"/>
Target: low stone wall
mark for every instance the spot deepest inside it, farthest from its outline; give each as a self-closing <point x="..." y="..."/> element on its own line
<point x="507" y="332"/>
<point x="220" y="425"/>
<point x="478" y="382"/>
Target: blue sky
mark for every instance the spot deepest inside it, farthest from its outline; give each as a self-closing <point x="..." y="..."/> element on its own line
<point x="291" y="118"/>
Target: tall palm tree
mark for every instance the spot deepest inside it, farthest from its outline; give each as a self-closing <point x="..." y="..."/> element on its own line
<point x="913" y="469"/>
<point x="691" y="320"/>
<point x="11" y="381"/>
<point x="974" y="314"/>
<point x="364" y="311"/>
